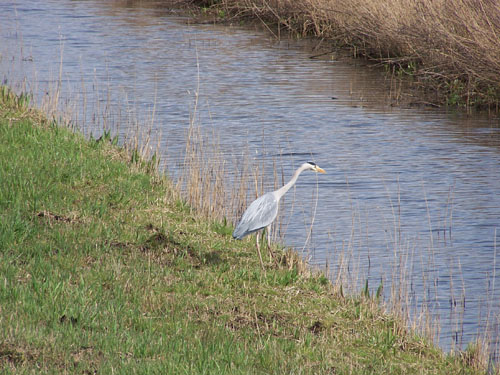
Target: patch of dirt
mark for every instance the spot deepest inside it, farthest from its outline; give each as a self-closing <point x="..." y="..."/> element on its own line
<point x="88" y="357"/>
<point x="263" y="322"/>
<point x="120" y="245"/>
<point x="13" y="355"/>
<point x="64" y="319"/>
<point x="169" y="244"/>
<point x="317" y="327"/>
<point x="50" y="216"/>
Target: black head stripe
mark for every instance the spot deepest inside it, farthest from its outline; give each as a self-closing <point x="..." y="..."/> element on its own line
<point x="312" y="163"/>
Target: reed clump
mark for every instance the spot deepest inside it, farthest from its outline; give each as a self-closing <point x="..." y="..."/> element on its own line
<point x="450" y="49"/>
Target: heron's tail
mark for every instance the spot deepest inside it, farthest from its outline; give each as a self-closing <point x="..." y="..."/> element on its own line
<point x="240" y="231"/>
<point x="237" y="234"/>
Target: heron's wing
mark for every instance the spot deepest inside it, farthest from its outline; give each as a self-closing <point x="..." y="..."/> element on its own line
<point x="258" y="215"/>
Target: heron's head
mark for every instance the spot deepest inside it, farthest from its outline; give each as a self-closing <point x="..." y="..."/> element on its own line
<point x="313" y="166"/>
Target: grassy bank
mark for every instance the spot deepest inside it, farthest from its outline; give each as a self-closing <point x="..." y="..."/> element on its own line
<point x="449" y="49"/>
<point x="105" y="270"/>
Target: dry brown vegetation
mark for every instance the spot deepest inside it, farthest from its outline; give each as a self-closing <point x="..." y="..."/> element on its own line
<point x="450" y="48"/>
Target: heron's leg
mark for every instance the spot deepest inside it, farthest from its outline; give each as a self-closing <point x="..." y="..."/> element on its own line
<point x="258" y="250"/>
<point x="268" y="230"/>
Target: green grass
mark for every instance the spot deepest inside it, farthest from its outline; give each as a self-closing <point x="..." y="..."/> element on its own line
<point x="105" y="271"/>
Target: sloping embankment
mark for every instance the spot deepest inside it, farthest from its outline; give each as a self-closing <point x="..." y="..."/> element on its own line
<point x="105" y="270"/>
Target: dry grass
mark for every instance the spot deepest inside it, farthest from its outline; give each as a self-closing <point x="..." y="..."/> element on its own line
<point x="451" y="48"/>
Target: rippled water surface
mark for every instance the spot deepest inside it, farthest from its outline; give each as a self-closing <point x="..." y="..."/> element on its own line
<point x="422" y="181"/>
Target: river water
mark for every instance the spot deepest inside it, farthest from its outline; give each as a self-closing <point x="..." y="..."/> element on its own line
<point x="411" y="196"/>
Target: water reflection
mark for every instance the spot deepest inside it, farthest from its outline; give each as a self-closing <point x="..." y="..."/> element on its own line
<point x="401" y="182"/>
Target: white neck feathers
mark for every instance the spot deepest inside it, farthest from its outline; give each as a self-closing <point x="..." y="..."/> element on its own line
<point x="282" y="191"/>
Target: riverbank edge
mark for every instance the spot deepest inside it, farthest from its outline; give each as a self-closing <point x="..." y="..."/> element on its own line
<point x="429" y="74"/>
<point x="106" y="269"/>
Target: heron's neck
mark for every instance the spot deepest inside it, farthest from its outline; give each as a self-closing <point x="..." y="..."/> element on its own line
<point x="282" y="191"/>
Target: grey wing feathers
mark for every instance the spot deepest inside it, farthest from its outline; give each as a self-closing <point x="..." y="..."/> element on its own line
<point x="258" y="215"/>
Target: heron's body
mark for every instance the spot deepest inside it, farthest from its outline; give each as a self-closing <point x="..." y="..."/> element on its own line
<point x="262" y="211"/>
<point x="258" y="215"/>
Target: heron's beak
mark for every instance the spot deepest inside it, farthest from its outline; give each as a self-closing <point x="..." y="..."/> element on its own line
<point x="320" y="170"/>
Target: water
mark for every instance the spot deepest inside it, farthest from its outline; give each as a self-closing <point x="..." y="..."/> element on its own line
<point x="416" y="189"/>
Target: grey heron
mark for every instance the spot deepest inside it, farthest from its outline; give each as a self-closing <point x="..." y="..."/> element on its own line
<point x="262" y="211"/>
